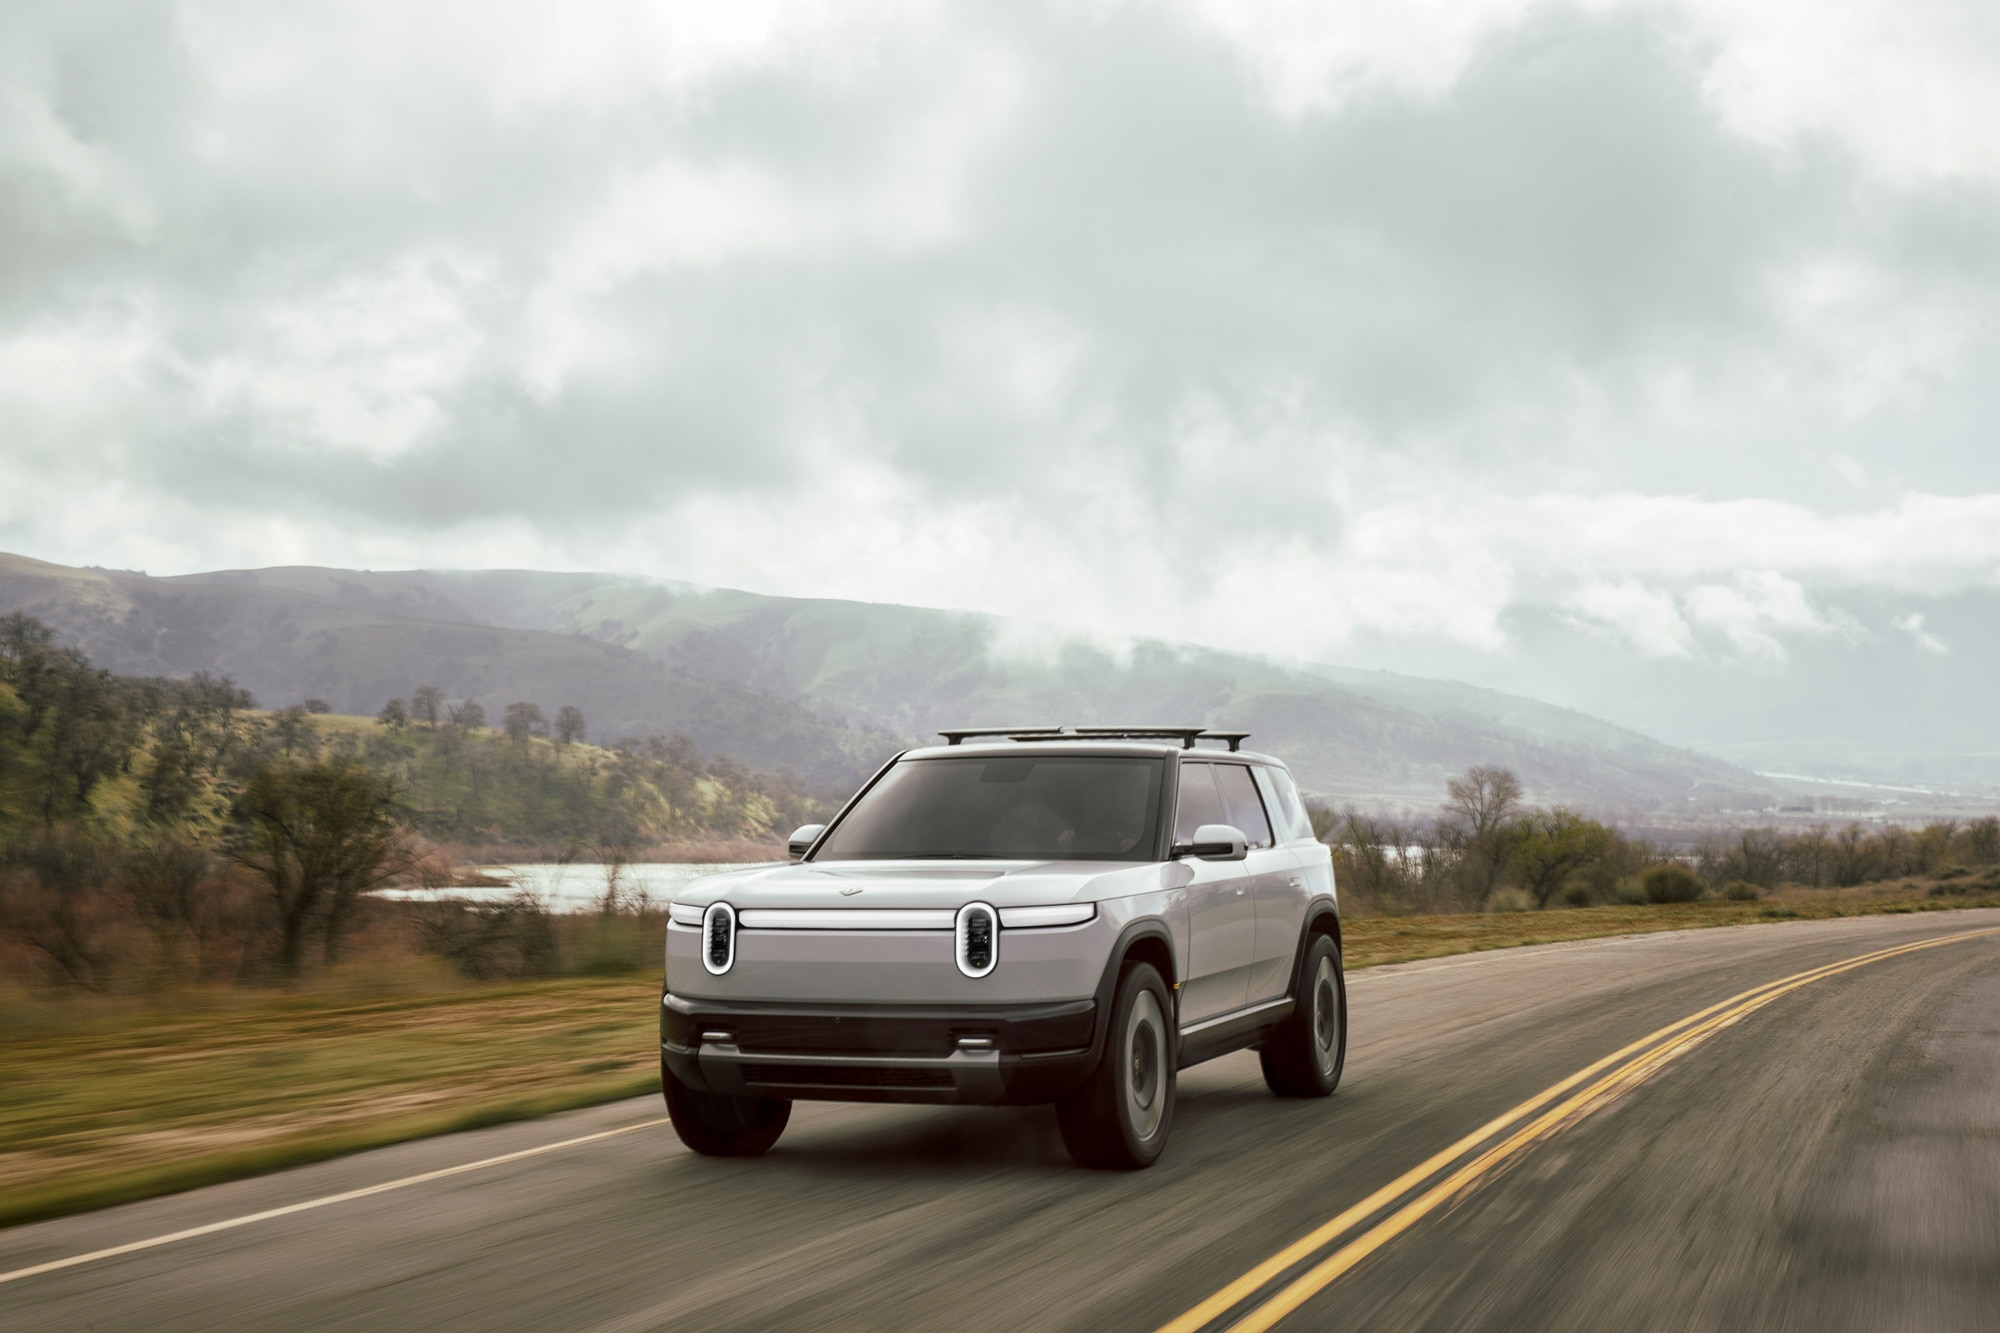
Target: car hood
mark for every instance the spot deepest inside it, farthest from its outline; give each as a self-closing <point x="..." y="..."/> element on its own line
<point x="926" y="884"/>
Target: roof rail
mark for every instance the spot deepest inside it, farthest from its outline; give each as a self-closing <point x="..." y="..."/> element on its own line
<point x="1187" y="736"/>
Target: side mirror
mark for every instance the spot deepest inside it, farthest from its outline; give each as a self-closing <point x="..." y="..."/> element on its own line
<point x="1215" y="842"/>
<point x="803" y="838"/>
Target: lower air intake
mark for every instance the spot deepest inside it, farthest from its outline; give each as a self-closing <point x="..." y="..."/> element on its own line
<point x="977" y="939"/>
<point x="822" y="1076"/>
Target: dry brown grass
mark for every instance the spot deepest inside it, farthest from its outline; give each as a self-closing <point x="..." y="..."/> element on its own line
<point x="100" y="1104"/>
<point x="1373" y="940"/>
<point x="107" y="1101"/>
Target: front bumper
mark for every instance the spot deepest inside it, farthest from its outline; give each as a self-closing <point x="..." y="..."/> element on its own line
<point x="1013" y="1054"/>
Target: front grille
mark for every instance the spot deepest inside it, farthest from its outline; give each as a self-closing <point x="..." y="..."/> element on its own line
<point x="849" y="1076"/>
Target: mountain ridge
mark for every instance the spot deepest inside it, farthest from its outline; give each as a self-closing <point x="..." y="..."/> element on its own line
<point x="830" y="687"/>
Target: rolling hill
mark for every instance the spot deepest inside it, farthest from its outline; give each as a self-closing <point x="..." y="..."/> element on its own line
<point x="356" y="650"/>
<point x="830" y="687"/>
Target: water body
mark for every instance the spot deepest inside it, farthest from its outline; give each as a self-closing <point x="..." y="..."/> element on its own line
<point x="579" y="887"/>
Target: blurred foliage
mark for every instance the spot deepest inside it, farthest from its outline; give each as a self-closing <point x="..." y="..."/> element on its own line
<point x="156" y="831"/>
<point x="1484" y="844"/>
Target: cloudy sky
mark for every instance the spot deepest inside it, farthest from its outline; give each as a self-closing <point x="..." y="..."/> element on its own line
<point x="1312" y="328"/>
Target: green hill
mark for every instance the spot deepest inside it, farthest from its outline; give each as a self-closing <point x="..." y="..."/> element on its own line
<point x="356" y="644"/>
<point x="123" y="755"/>
<point x="830" y="687"/>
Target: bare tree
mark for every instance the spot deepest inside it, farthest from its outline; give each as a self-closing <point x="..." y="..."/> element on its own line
<point x="1479" y="805"/>
<point x="395" y="715"/>
<point x="1808" y="856"/>
<point x="1483" y="799"/>
<point x="569" y="724"/>
<point x="1981" y="841"/>
<point x="169" y="879"/>
<point x="468" y="716"/>
<point x="57" y="900"/>
<point x="427" y="705"/>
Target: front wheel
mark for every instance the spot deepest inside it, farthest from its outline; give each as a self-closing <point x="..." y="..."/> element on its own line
<point x="1120" y="1117"/>
<point x="716" y="1125"/>
<point x="1304" y="1055"/>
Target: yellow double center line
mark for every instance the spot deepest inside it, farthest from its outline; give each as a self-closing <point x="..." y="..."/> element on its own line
<point x="1475" y="1158"/>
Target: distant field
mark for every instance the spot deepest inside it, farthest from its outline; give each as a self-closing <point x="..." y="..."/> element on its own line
<point x="103" y="1105"/>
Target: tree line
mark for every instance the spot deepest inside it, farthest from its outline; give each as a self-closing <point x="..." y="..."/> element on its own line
<point x="1487" y="849"/>
<point x="156" y="829"/>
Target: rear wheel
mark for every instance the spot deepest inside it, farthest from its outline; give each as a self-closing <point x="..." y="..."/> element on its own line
<point x="1120" y="1117"/>
<point x="1303" y="1056"/>
<point x="717" y="1125"/>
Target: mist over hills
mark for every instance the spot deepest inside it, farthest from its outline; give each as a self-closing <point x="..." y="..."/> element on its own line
<point x="1893" y="689"/>
<point x="832" y="687"/>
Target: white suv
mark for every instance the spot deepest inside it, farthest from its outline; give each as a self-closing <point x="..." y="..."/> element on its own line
<point x="1064" y="915"/>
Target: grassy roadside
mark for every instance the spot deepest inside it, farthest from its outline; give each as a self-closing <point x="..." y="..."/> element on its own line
<point x="104" y="1106"/>
<point x="1374" y="940"/>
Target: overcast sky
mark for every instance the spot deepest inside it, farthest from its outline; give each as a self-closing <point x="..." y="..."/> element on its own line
<point x="1291" y="325"/>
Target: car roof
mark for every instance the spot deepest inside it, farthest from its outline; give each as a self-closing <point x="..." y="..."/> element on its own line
<point x="1149" y="749"/>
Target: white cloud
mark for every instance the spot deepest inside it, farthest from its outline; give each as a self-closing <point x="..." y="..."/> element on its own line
<point x="1272" y="328"/>
<point x="1755" y="610"/>
<point x="1647" y="618"/>
<point x="1318" y="57"/>
<point x="1906" y="84"/>
<point x="1913" y="625"/>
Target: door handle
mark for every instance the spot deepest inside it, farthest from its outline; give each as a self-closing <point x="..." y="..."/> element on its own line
<point x="1297" y="883"/>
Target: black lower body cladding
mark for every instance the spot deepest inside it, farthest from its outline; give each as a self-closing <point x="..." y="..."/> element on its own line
<point x="990" y="1054"/>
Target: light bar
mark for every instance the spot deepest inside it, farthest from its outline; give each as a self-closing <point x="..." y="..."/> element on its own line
<point x="836" y="918"/>
<point x="1062" y="914"/>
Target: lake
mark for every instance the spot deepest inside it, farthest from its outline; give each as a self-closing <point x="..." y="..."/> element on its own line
<point x="579" y="887"/>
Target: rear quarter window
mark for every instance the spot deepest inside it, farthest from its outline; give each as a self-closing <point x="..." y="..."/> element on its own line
<point x="1288" y="812"/>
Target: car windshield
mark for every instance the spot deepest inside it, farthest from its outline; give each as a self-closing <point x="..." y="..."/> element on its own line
<point x="1009" y="807"/>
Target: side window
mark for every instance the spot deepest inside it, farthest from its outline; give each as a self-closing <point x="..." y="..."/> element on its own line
<point x="1199" y="803"/>
<point x="1282" y="796"/>
<point x="1239" y="798"/>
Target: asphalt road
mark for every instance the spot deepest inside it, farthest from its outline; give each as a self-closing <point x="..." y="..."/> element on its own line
<point x="1831" y="1160"/>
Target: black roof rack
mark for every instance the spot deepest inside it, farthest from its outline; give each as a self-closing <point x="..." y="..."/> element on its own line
<point x="1187" y="736"/>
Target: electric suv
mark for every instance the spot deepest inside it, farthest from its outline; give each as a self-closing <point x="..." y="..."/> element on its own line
<point x="1067" y="915"/>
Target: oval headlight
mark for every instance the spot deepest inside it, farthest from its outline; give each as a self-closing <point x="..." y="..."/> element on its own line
<point x="976" y="939"/>
<point x="718" y="938"/>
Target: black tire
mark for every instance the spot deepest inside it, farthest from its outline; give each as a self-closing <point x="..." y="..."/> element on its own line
<point x="716" y="1125"/>
<point x="1304" y="1055"/>
<point x="1119" y="1119"/>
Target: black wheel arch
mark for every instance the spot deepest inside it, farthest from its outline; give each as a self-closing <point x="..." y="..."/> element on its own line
<point x="1322" y="918"/>
<point x="1144" y="941"/>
